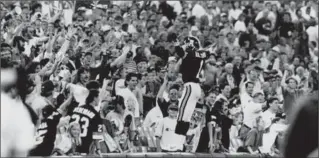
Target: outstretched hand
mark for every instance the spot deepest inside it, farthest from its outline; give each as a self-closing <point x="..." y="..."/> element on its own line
<point x="71" y="31"/>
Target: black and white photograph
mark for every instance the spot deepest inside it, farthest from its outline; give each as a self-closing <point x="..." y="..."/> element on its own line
<point x="159" y="78"/>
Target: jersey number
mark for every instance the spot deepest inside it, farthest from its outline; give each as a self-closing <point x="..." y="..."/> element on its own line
<point x="84" y="124"/>
<point x="40" y="135"/>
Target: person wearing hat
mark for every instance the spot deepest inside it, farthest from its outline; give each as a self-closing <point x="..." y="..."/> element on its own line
<point x="165" y="132"/>
<point x="290" y="91"/>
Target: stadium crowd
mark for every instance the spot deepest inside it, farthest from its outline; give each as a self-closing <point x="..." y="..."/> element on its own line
<point x="98" y="76"/>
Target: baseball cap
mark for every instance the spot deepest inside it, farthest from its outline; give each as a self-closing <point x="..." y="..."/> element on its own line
<point x="47" y="88"/>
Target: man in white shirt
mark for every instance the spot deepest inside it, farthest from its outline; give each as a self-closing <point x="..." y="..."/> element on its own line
<point x="270" y="114"/>
<point x="253" y="109"/>
<point x="166" y="138"/>
<point x="246" y="93"/>
<point x="131" y="102"/>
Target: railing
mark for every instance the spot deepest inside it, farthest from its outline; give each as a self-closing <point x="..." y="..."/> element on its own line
<point x="177" y="155"/>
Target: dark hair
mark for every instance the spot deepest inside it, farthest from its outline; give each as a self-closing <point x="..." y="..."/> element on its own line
<point x="218" y="105"/>
<point x="129" y="76"/>
<point x="23" y="83"/>
<point x="93" y="85"/>
<point x="270" y="101"/>
<point x="222" y="86"/>
<point x="233" y="4"/>
<point x="33" y="66"/>
<point x="47" y="111"/>
<point x="125" y="27"/>
<point x="92" y="94"/>
<point x="34" y="7"/>
<point x="81" y="70"/>
<point x="246" y="85"/>
<point x="175" y="86"/>
<point x="43" y="62"/>
<point x="118" y="100"/>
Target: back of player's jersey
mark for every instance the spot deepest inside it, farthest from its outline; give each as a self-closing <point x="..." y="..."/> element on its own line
<point x="46" y="134"/>
<point x="192" y="65"/>
<point x="89" y="119"/>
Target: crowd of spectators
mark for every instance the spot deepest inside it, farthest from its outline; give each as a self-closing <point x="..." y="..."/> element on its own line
<point x="113" y="61"/>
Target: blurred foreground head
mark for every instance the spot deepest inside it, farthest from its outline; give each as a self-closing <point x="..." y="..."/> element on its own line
<point x="17" y="125"/>
<point x="15" y="82"/>
<point x="302" y="139"/>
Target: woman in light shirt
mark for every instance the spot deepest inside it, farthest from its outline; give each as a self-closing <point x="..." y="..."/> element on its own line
<point x="67" y="142"/>
<point x="234" y="13"/>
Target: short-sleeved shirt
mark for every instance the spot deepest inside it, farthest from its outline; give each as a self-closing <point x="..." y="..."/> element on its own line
<point x="46" y="133"/>
<point x="90" y="121"/>
<point x="166" y="131"/>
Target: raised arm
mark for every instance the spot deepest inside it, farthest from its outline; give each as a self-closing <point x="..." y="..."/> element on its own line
<point x="119" y="60"/>
<point x="66" y="43"/>
<point x="63" y="107"/>
<point x="178" y="65"/>
<point x="283" y="80"/>
<point x="163" y="88"/>
<point x="242" y="87"/>
<point x="56" y="16"/>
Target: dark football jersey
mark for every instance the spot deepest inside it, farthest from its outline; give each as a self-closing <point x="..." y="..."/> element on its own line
<point x="90" y="121"/>
<point x="46" y="134"/>
<point x="192" y="65"/>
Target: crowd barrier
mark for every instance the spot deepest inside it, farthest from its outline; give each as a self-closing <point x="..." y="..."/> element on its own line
<point x="177" y="155"/>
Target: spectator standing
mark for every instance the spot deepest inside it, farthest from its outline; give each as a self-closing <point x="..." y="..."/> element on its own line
<point x="90" y="121"/>
<point x="165" y="132"/>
